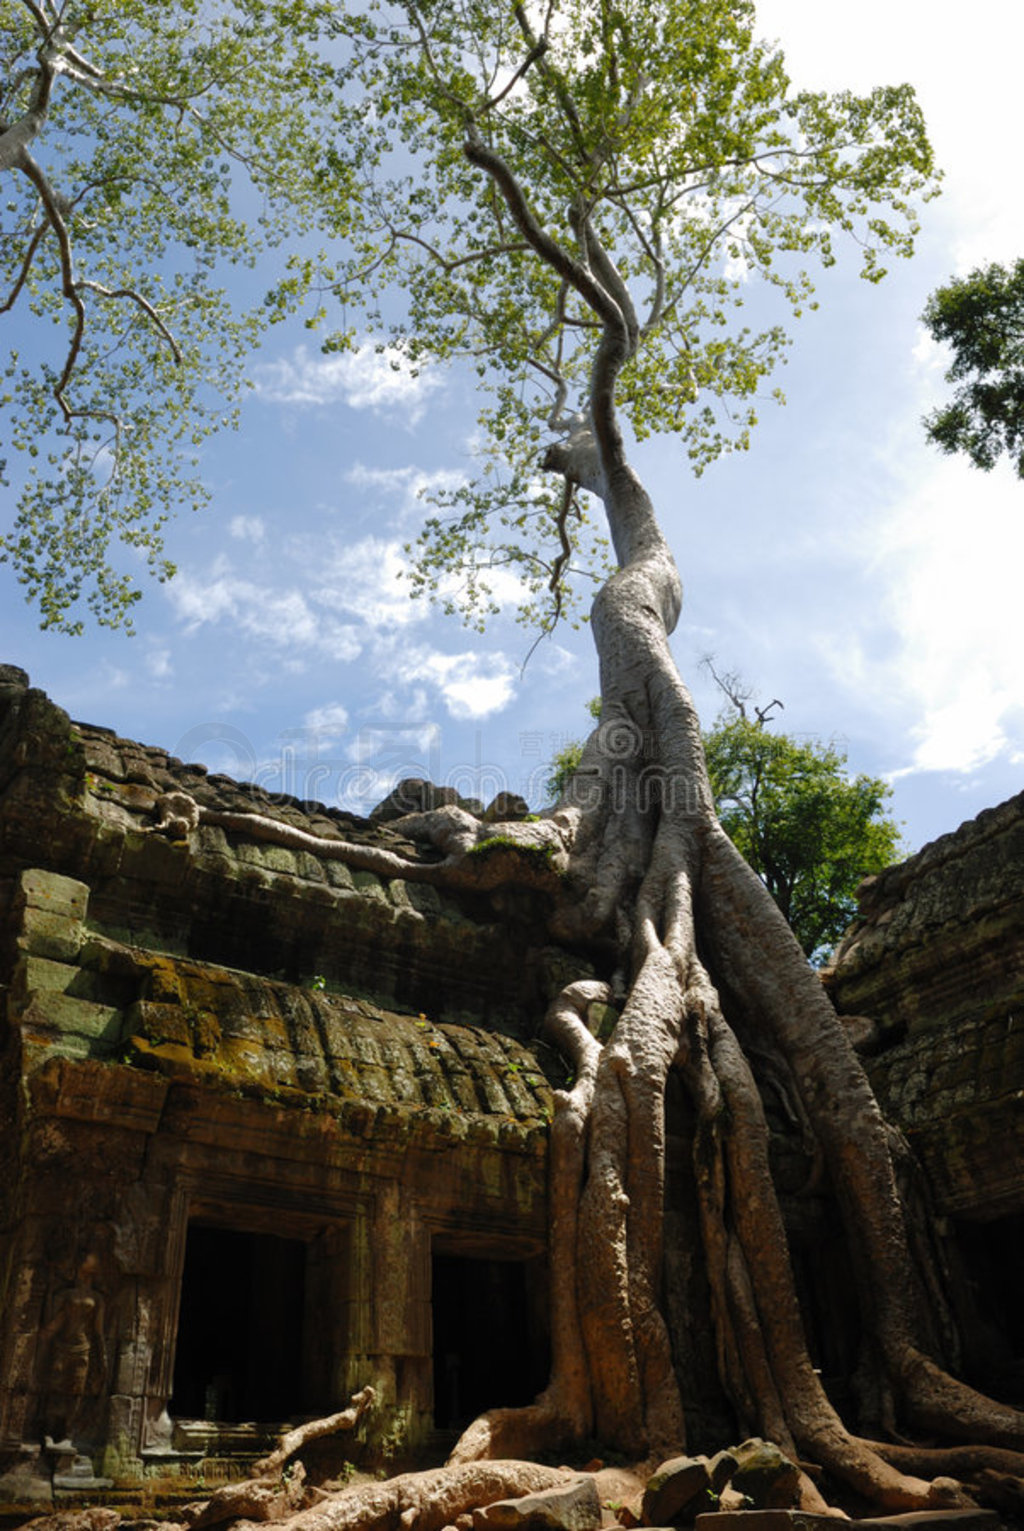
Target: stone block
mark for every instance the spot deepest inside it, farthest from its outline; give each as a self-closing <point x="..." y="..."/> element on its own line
<point x="73" y="1017"/>
<point x="35" y="975"/>
<point x="101" y="756"/>
<point x="576" y="1507"/>
<point x="339" y="875"/>
<point x="424" y="899"/>
<point x="46" y="934"/>
<point x="157" y="1023"/>
<point x="55" y="894"/>
<point x="675" y="1487"/>
<point x="278" y="858"/>
<point x="307" y="866"/>
<point x="764" y="1475"/>
<point x="804" y="1520"/>
<point x="49" y="1046"/>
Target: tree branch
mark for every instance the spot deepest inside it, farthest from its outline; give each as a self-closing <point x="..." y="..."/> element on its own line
<point x="26" y="266"/>
<point x="549" y="250"/>
<point x="607" y="273"/>
<point x="536" y="52"/>
<point x="143" y="303"/>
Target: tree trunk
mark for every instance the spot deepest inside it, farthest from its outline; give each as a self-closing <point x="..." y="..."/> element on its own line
<point x="697" y="935"/>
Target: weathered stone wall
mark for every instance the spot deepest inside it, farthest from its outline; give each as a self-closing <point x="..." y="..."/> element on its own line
<point x="935" y="965"/>
<point x="217" y="1033"/>
<point x="79" y="800"/>
<point x="932" y="978"/>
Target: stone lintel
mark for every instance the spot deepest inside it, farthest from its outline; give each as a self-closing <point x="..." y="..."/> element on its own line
<point x="87" y="1091"/>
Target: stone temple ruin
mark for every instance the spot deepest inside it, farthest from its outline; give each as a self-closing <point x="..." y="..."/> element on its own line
<point x="272" y="1129"/>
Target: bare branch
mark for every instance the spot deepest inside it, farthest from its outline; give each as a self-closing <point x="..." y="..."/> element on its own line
<point x="57" y="222"/>
<point x="14" y="141"/>
<point x="447" y="265"/>
<point x="607" y="273"/>
<point x="535" y="53"/>
<point x="73" y="288"/>
<point x="558" y="567"/>
<point x="463" y="107"/>
<point x="560" y="261"/>
<point x="143" y="303"/>
<point x="26" y="266"/>
<point x="39" y="16"/>
<point x="565" y="101"/>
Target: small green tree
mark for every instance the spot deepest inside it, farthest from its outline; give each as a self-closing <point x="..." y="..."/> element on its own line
<point x="810" y="830"/>
<point x="564" y="761"/>
<point x="981" y="316"/>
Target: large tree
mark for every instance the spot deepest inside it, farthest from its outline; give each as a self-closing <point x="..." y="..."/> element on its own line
<point x="576" y="198"/>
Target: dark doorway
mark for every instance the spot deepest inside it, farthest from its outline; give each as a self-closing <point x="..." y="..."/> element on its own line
<point x="991" y="1267"/>
<point x="239" y="1347"/>
<point x="490" y="1340"/>
<point x="994" y="1256"/>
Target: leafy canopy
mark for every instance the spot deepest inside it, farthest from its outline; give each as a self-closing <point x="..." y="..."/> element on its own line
<point x="145" y="150"/>
<point x="810" y="830"/>
<point x="981" y="317"/>
<point x="660" y="154"/>
<point x="656" y="149"/>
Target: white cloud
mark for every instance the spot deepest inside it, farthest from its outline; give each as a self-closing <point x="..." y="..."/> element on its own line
<point x="472" y="685"/>
<point x="381" y="380"/>
<point x="368" y="580"/>
<point x="361" y="583"/>
<point x="115" y="676"/>
<point x="504" y="585"/>
<point x="931" y="356"/>
<point x="328" y="722"/>
<point x="410" y="709"/>
<point x="402" y="748"/>
<point x="364" y="788"/>
<point x="408" y="484"/>
<point x="950" y="548"/>
<point x="158" y="663"/>
<point x="971" y="113"/>
<point x="281" y="618"/>
<point x="552" y="659"/>
<point x="248" y="529"/>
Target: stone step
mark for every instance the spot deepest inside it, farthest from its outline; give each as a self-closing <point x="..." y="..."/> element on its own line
<point x="802" y="1520"/>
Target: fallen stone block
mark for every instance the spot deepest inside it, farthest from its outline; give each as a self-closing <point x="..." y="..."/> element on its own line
<point x="674" y="1489"/>
<point x="576" y="1507"/>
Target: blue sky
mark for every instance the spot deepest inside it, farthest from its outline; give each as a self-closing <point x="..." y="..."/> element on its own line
<point x="841" y="565"/>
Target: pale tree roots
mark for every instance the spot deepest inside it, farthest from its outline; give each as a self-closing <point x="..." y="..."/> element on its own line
<point x="271" y="1493"/>
<point x="427" y="1501"/>
<point x="694" y="938"/>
